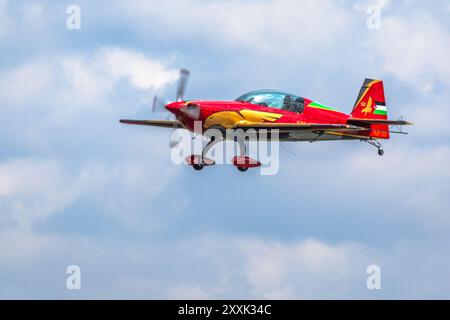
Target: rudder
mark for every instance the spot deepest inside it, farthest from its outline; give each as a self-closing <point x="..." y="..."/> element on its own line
<point x="371" y="104"/>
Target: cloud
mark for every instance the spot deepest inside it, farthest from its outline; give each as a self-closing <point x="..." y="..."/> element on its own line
<point x="404" y="192"/>
<point x="75" y="93"/>
<point x="413" y="52"/>
<point x="303" y="269"/>
<point x="217" y="266"/>
<point x="139" y="191"/>
<point x="98" y="74"/>
<point x="213" y="267"/>
<point x="48" y="99"/>
<point x="142" y="72"/>
<point x="32" y="190"/>
<point x="431" y="116"/>
<point x="265" y="26"/>
<point x="54" y="98"/>
<point x="26" y="83"/>
<point x="77" y="187"/>
<point x="82" y="77"/>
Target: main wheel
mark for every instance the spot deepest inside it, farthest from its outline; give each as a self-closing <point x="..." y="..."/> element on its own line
<point x="242" y="169"/>
<point x="197" y="166"/>
<point x="380" y="152"/>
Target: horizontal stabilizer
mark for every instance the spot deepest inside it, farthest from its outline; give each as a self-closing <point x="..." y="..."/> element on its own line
<point x="301" y="127"/>
<point x="358" y="121"/>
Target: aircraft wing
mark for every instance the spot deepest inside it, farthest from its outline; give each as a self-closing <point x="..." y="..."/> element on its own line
<point x="154" y="123"/>
<point x="303" y="127"/>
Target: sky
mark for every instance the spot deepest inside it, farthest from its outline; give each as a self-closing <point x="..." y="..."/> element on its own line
<point x="78" y="188"/>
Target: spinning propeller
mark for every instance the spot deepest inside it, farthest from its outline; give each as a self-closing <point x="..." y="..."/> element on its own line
<point x="159" y="104"/>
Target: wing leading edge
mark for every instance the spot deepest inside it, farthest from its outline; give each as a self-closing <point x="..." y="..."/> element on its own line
<point x="153" y="123"/>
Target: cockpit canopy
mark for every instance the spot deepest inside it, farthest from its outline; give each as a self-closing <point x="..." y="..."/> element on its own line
<point x="274" y="99"/>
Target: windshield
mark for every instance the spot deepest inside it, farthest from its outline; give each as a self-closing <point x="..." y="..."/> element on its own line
<point x="274" y="99"/>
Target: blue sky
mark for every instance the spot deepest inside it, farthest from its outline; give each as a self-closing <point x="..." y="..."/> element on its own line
<point x="78" y="188"/>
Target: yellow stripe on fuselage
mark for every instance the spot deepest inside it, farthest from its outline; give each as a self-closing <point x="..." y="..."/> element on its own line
<point x="229" y="119"/>
<point x="346" y="134"/>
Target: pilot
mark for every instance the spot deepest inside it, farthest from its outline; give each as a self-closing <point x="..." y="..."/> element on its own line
<point x="288" y="103"/>
<point x="299" y="105"/>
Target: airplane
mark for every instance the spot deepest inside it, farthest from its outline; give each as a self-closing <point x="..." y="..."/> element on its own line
<point x="296" y="118"/>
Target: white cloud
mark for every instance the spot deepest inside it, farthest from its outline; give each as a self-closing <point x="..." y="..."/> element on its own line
<point x="26" y="83"/>
<point x="212" y="267"/>
<point x="96" y="75"/>
<point x="413" y="48"/>
<point x="412" y="179"/>
<point x="410" y="183"/>
<point x="431" y="118"/>
<point x="417" y="176"/>
<point x="406" y="165"/>
<point x="135" y="186"/>
<point x="64" y="81"/>
<point x="32" y="190"/>
<point x="303" y="269"/>
<point x="49" y="96"/>
<point x="276" y="27"/>
<point x="72" y="92"/>
<point x="218" y="267"/>
<point x="142" y="72"/>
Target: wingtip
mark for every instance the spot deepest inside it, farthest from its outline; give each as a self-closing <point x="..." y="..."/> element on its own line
<point x="406" y="123"/>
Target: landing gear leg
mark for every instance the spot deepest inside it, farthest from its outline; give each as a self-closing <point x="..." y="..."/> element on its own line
<point x="377" y="145"/>
<point x="242" y="147"/>
<point x="242" y="152"/>
<point x="201" y="161"/>
<point x="208" y="147"/>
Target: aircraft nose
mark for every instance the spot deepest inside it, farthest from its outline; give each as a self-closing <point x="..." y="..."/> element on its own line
<point x="173" y="107"/>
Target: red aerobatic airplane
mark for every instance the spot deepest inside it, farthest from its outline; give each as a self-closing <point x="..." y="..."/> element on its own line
<point x="295" y="118"/>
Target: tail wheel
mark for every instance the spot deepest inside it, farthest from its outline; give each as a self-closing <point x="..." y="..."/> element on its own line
<point x="242" y="169"/>
<point x="380" y="152"/>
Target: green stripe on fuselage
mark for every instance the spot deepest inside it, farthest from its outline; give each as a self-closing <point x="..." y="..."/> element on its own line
<point x="320" y="106"/>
